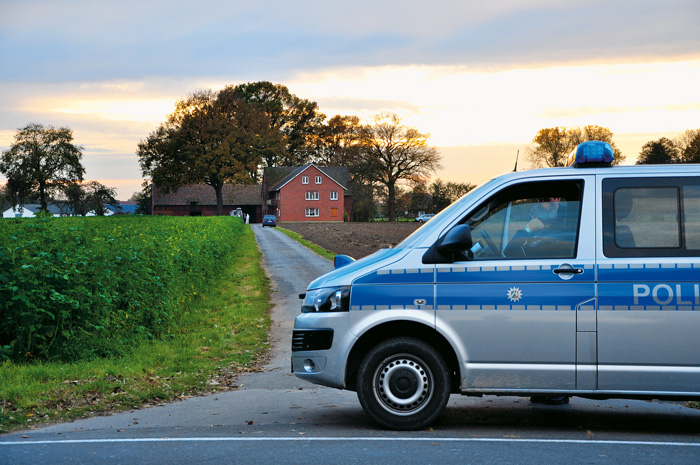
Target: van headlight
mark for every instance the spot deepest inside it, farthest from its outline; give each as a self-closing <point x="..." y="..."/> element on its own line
<point x="328" y="299"/>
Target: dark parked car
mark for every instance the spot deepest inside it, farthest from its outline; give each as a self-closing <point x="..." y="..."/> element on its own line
<point x="269" y="220"/>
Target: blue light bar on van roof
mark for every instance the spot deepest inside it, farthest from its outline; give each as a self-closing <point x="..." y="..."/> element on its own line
<point x="591" y="153"/>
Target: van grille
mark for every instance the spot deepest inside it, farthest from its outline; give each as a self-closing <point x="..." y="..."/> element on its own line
<point x="313" y="339"/>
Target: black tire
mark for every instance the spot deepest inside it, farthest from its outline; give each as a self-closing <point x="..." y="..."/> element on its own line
<point x="403" y="384"/>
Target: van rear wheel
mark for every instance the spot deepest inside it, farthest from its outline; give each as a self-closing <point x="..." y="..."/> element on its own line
<point x="403" y="383"/>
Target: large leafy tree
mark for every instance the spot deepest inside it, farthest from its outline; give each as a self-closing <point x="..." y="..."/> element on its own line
<point x="211" y="138"/>
<point x="40" y="161"/>
<point x="553" y="145"/>
<point x="391" y="152"/>
<point x="660" y="151"/>
<point x="298" y="120"/>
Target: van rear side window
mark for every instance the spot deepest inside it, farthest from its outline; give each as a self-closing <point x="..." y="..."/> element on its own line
<point x="691" y="215"/>
<point x="651" y="217"/>
<point x="647" y="217"/>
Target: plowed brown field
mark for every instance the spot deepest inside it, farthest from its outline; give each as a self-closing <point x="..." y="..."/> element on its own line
<point x="354" y="239"/>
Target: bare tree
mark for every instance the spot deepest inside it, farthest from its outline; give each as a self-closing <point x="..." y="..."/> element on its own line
<point x="391" y="152"/>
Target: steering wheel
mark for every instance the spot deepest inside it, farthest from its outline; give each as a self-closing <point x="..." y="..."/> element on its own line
<point x="489" y="243"/>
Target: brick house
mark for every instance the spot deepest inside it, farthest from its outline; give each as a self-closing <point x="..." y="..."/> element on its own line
<point x="307" y="193"/>
<point x="200" y="200"/>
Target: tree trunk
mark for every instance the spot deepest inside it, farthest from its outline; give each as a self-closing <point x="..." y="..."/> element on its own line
<point x="219" y="188"/>
<point x="42" y="197"/>
<point x="391" y="200"/>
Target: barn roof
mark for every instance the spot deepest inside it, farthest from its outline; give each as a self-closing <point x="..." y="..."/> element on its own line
<point x="203" y="194"/>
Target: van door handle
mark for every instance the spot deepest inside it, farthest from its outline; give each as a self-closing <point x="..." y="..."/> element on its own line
<point x="568" y="269"/>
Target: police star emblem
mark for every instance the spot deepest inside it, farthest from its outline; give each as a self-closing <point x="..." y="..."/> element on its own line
<point x="514" y="294"/>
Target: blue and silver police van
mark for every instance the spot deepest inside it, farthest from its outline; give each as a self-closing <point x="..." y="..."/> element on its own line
<point x="578" y="281"/>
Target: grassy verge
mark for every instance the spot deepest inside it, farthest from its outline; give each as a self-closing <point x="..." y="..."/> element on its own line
<point x="223" y="332"/>
<point x="315" y="248"/>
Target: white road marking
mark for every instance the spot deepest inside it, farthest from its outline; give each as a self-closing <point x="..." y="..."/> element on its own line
<point x="342" y="439"/>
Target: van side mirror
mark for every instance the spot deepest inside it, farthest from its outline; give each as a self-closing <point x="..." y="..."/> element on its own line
<point x="457" y="239"/>
<point x="342" y="260"/>
<point x="450" y="246"/>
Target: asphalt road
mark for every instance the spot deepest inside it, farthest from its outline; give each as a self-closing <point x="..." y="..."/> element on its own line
<point x="275" y="418"/>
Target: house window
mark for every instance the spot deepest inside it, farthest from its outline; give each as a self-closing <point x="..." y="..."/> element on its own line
<point x="334" y="195"/>
<point x="334" y="212"/>
<point x="312" y="196"/>
<point x="311" y="212"/>
<point x="304" y="179"/>
<point x="318" y="179"/>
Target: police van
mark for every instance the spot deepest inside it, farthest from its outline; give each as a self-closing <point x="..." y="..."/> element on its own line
<point x="578" y="281"/>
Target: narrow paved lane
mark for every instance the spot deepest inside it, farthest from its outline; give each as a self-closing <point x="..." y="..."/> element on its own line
<point x="274" y="417"/>
<point x="292" y="267"/>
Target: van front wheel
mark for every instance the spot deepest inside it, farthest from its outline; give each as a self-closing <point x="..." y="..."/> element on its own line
<point x="403" y="383"/>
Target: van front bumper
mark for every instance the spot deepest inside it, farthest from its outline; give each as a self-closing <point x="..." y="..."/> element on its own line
<point x="320" y="346"/>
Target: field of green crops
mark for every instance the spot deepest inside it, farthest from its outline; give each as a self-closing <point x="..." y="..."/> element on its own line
<point x="82" y="288"/>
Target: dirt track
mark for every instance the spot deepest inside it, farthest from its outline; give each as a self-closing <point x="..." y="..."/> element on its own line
<point x="354" y="239"/>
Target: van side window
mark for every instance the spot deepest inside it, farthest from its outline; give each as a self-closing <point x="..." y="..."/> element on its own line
<point x="529" y="220"/>
<point x="691" y="215"/>
<point x="646" y="217"/>
<point x="651" y="217"/>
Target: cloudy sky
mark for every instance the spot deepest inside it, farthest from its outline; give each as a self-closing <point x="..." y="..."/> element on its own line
<point x="481" y="77"/>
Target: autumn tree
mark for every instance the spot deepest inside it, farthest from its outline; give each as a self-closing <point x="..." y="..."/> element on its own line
<point x="391" y="152"/>
<point x="39" y="162"/>
<point x="660" y="151"/>
<point x="212" y="138"/>
<point x="553" y="145"/>
<point x="337" y="142"/>
<point x="297" y="120"/>
<point x="551" y="148"/>
<point x="688" y="145"/>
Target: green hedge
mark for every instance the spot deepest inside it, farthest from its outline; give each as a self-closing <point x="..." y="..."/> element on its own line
<point x="80" y="288"/>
